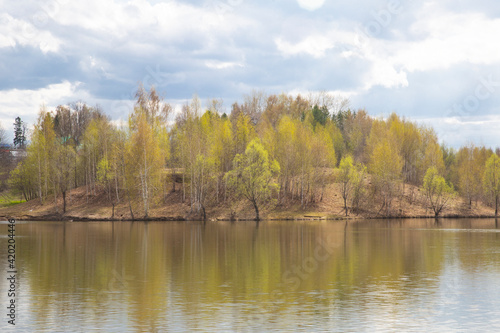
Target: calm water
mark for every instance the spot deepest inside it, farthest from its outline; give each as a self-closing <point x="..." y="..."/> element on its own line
<point x="411" y="275"/>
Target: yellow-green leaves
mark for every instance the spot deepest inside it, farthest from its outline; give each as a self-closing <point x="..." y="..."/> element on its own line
<point x="253" y="173"/>
<point x="471" y="162"/>
<point x="351" y="181"/>
<point x="491" y="179"/>
<point x="437" y="191"/>
<point x="144" y="160"/>
<point x="385" y="166"/>
<point x="244" y="132"/>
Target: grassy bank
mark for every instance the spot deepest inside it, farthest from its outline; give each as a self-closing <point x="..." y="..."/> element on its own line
<point x="8" y="199"/>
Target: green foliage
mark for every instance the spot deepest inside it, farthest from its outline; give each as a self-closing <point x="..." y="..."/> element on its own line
<point x="103" y="171"/>
<point x="351" y="181"/>
<point x="244" y="132"/>
<point x="19" y="133"/>
<point x="385" y="166"/>
<point x="468" y="168"/>
<point x="144" y="160"/>
<point x="253" y="173"/>
<point x="491" y="179"/>
<point x="437" y="191"/>
<point x="283" y="142"/>
<point x="22" y="179"/>
<point x="320" y="115"/>
<point x="346" y="166"/>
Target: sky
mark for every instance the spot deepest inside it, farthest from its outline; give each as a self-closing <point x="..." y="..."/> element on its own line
<point x="435" y="62"/>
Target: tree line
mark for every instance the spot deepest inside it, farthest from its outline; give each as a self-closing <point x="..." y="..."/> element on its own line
<point x="278" y="149"/>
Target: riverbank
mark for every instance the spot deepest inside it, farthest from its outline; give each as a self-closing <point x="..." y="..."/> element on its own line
<point x="82" y="206"/>
<point x="69" y="218"/>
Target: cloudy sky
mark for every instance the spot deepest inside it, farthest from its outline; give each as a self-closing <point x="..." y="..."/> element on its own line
<point x="437" y="62"/>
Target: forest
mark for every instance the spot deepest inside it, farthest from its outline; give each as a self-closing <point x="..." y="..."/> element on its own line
<point x="278" y="150"/>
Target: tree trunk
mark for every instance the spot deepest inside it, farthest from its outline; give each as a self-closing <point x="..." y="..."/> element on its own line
<point x="173" y="181"/>
<point x="116" y="187"/>
<point x="87" y="186"/>
<point x="217" y="190"/>
<point x="64" y="201"/>
<point x="130" y="205"/>
<point x="496" y="205"/>
<point x="40" y="182"/>
<point x="257" y="218"/>
<point x="345" y="205"/>
<point x="55" y="200"/>
<point x="76" y="181"/>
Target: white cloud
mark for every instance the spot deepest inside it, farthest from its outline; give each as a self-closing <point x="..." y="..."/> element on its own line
<point x="450" y="39"/>
<point x="457" y="132"/>
<point x="338" y="94"/>
<point x="227" y="48"/>
<point x="214" y="64"/>
<point x="384" y="74"/>
<point x="26" y="103"/>
<point x="15" y="32"/>
<point x="144" y="23"/>
<point x="437" y="40"/>
<point x="311" y="4"/>
<point x="315" y="46"/>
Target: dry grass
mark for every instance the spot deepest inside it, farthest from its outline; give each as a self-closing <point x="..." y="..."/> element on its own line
<point x="409" y="203"/>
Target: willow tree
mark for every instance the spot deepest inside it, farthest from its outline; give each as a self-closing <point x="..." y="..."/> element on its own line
<point x="253" y="175"/>
<point x="437" y="191"/>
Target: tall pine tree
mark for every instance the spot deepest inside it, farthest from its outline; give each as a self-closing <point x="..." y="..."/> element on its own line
<point x="19" y="133"/>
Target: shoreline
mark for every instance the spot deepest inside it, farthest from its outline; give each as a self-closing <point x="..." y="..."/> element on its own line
<point x="92" y="208"/>
<point x="69" y="218"/>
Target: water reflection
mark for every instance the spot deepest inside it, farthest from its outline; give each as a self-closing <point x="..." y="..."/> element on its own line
<point x="311" y="276"/>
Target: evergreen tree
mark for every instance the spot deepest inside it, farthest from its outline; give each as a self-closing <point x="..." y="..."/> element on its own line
<point x="19" y="133"/>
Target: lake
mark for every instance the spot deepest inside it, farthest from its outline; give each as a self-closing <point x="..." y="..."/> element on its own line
<point x="316" y="276"/>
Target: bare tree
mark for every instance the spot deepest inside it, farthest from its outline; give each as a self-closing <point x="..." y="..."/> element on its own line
<point x="334" y="103"/>
<point x="254" y="105"/>
<point x="216" y="105"/>
<point x="3" y="135"/>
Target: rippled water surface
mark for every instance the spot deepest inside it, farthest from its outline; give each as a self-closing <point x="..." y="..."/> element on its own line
<point x="409" y="275"/>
